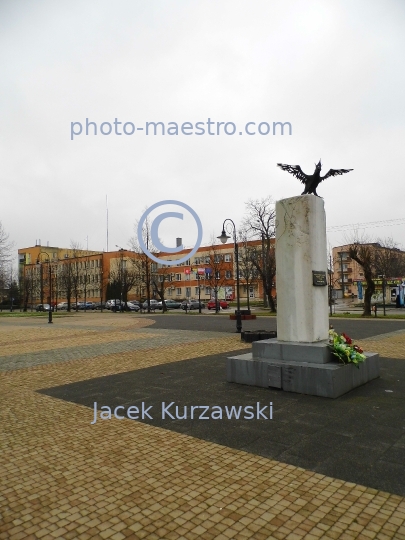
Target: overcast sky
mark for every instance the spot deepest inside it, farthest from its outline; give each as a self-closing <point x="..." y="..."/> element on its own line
<point x="334" y="69"/>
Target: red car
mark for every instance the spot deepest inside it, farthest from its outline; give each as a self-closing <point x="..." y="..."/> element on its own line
<point x="220" y="303"/>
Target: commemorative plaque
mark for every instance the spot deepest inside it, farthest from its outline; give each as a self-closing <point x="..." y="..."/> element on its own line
<point x="319" y="278"/>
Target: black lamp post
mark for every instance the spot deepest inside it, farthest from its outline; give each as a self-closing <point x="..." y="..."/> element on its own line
<point x="50" y="282"/>
<point x="197" y="276"/>
<point x="224" y="238"/>
<point x="383" y="291"/>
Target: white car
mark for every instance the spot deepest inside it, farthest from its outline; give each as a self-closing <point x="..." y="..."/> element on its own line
<point x="111" y="303"/>
<point x="62" y="305"/>
<point x="153" y="304"/>
<point x="133" y="306"/>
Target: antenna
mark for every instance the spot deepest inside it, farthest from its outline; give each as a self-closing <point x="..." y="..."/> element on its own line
<point x="106" y="205"/>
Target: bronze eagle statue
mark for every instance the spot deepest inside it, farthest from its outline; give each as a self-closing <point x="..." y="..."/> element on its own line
<point x="311" y="181"/>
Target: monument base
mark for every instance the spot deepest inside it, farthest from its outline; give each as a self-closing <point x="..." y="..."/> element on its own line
<point x="288" y="366"/>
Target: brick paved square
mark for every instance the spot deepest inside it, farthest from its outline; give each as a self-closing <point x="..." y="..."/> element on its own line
<point x="63" y="478"/>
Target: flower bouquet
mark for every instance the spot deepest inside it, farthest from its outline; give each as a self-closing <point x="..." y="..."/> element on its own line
<point x="342" y="346"/>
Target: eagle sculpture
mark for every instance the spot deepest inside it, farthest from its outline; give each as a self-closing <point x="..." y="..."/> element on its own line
<point x="311" y="181"/>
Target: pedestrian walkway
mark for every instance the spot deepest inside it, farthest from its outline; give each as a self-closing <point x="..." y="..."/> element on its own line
<point x="63" y="478"/>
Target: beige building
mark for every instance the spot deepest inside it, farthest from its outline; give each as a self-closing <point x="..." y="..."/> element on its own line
<point x="346" y="273"/>
<point x="348" y="277"/>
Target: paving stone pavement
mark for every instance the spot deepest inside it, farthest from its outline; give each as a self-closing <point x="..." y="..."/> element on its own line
<point x="64" y="478"/>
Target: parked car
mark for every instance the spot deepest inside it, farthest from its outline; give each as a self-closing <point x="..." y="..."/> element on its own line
<point x="220" y="303"/>
<point x="86" y="305"/>
<point x="99" y="305"/>
<point x="192" y="304"/>
<point x="170" y="304"/>
<point x="153" y="304"/>
<point x="133" y="305"/>
<point x="62" y="305"/>
<point x="112" y="303"/>
<point x="43" y="307"/>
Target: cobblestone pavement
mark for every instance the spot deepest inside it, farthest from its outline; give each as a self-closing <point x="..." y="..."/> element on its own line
<point x="62" y="478"/>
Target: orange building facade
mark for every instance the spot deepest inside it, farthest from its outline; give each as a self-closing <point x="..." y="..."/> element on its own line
<point x="46" y="272"/>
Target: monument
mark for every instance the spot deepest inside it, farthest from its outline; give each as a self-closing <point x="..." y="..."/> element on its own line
<point x="300" y="359"/>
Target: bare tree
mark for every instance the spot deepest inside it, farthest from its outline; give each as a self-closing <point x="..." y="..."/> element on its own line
<point x="260" y="224"/>
<point x="141" y="262"/>
<point x="363" y="254"/>
<point x="29" y="286"/>
<point x="389" y="260"/>
<point x="11" y="284"/>
<point x="123" y="277"/>
<point x="248" y="271"/>
<point x="380" y="258"/>
<point x="216" y="278"/>
<point x="161" y="278"/>
<point x="67" y="280"/>
<point x="6" y="249"/>
<point x="76" y="267"/>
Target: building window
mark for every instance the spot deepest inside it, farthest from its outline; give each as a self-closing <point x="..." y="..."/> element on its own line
<point x="217" y="274"/>
<point x="178" y="277"/>
<point x="196" y="290"/>
<point x="228" y="274"/>
<point x="207" y="260"/>
<point x="197" y="260"/>
<point x="178" y="291"/>
<point x="228" y="257"/>
<point x="207" y="290"/>
<point x="187" y="277"/>
<point x="188" y="292"/>
<point x="92" y="264"/>
<point x="169" y="291"/>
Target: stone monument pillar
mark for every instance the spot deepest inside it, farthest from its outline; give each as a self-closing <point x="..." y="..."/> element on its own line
<point x="301" y="262"/>
<point x="300" y="359"/>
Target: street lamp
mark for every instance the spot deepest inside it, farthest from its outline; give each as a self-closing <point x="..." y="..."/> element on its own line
<point x="198" y="277"/>
<point x="224" y="238"/>
<point x="50" y="282"/>
<point x="383" y="290"/>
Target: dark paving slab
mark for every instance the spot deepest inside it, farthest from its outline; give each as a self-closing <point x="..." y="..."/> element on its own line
<point x="355" y="328"/>
<point x="359" y="437"/>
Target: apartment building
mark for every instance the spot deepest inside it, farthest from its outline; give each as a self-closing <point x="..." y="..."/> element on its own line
<point x="49" y="273"/>
<point x="210" y="272"/>
<point x="348" y="276"/>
